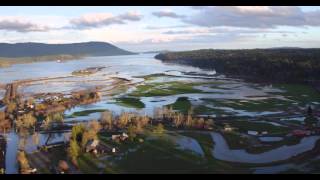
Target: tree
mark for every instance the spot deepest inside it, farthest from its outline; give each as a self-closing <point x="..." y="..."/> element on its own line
<point x="124" y="119"/>
<point x="86" y="136"/>
<point x="132" y="132"/>
<point x="200" y="123"/>
<point x="57" y="117"/>
<point x="35" y="138"/>
<point x="209" y="123"/>
<point x="144" y="120"/>
<point x="178" y="119"/>
<point x="310" y="121"/>
<point x="309" y="113"/>
<point x="2" y="116"/>
<point x="23" y="161"/>
<point x="159" y="129"/>
<point x="11" y="107"/>
<point x="189" y="121"/>
<point x="22" y="142"/>
<point x="106" y="120"/>
<point x="140" y="122"/>
<point x="73" y="150"/>
<point x="84" y="140"/>
<point x="26" y="121"/>
<point x="47" y="123"/>
<point x="94" y="126"/>
<point x="77" y="131"/>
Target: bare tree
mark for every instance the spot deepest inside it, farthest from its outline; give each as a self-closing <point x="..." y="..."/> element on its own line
<point x="106" y="120"/>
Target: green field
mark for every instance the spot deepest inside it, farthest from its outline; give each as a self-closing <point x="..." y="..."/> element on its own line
<point x="164" y="89"/>
<point x="130" y="102"/>
<point x="85" y="113"/>
<point x="182" y="104"/>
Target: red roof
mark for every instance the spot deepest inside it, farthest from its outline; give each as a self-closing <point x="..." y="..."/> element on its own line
<point x="299" y="132"/>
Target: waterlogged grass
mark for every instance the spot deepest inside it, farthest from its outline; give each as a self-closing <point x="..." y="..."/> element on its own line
<point x="85" y="113"/>
<point x="245" y="126"/>
<point x="302" y="94"/>
<point x="235" y="140"/>
<point x="182" y="104"/>
<point x="271" y="104"/>
<point x="288" y="141"/>
<point x="164" y="89"/>
<point x="204" y="110"/>
<point x="130" y="102"/>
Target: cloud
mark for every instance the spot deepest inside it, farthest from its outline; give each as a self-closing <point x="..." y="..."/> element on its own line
<point x="131" y="16"/>
<point x="189" y="31"/>
<point x="166" y="27"/>
<point x="221" y="30"/>
<point x="104" y="19"/>
<point x="168" y="14"/>
<point x="21" y="26"/>
<point x="253" y="16"/>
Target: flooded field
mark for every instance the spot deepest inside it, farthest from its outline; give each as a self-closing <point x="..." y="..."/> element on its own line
<point x="140" y="83"/>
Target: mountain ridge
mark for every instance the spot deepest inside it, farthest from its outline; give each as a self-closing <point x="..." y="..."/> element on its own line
<point x="34" y="49"/>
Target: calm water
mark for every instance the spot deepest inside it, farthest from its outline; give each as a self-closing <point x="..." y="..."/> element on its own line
<point x="125" y="66"/>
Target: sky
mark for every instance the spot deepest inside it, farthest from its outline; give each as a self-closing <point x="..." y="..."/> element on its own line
<point x="153" y="28"/>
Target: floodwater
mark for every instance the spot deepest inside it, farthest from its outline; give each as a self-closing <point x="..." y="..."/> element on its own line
<point x="223" y="152"/>
<point x="129" y="67"/>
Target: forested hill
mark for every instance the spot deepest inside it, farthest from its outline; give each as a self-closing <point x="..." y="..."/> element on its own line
<point x="289" y="65"/>
<point x="40" y="49"/>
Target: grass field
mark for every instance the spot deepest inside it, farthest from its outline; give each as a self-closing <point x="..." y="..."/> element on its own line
<point x="182" y="104"/>
<point x="164" y="89"/>
<point x="130" y="102"/>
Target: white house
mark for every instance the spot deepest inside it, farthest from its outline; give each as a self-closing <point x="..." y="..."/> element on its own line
<point x="253" y="133"/>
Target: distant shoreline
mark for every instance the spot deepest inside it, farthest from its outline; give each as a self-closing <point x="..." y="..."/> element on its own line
<point x="7" y="62"/>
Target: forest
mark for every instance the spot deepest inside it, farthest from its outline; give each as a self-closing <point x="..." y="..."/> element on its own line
<point x="276" y="65"/>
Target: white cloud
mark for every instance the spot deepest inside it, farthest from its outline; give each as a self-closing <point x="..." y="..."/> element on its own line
<point x="19" y="25"/>
<point x="104" y="19"/>
<point x="253" y="16"/>
<point x="167" y="13"/>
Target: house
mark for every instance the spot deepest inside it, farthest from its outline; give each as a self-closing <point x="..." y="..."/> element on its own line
<point x="253" y="133"/>
<point x="228" y="128"/>
<point x="121" y="137"/>
<point x="92" y="146"/>
<point x="300" y="133"/>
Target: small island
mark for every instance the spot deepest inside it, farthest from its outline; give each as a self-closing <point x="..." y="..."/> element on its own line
<point x="87" y="71"/>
